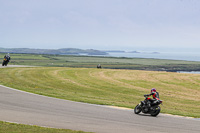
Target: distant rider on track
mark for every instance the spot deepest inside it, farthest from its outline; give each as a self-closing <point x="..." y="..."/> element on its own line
<point x="7" y="56"/>
<point x="6" y="60"/>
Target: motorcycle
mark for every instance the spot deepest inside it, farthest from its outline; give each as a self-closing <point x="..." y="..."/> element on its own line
<point x="147" y="107"/>
<point x="5" y="62"/>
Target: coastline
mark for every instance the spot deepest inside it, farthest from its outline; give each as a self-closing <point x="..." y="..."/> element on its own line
<point x="187" y="56"/>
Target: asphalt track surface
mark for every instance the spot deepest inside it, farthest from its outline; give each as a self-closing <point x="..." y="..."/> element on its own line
<point x="26" y="108"/>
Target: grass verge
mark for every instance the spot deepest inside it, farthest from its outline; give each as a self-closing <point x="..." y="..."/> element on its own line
<point x="6" y="127"/>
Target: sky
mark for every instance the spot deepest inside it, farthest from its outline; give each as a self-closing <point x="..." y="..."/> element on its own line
<point x="100" y="24"/>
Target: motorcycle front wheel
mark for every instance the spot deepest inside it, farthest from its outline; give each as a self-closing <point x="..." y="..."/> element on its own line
<point x="137" y="109"/>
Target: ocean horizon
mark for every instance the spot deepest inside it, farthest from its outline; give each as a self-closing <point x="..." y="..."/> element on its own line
<point x="173" y="55"/>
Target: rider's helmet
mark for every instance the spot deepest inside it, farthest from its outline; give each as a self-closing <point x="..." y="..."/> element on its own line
<point x="153" y="90"/>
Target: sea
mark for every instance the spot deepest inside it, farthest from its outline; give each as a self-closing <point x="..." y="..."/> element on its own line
<point x="187" y="54"/>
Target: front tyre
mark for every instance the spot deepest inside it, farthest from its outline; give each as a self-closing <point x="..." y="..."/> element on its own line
<point x="137" y="109"/>
<point x="155" y="111"/>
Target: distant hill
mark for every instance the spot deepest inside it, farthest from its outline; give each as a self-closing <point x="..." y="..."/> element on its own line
<point x="63" y="51"/>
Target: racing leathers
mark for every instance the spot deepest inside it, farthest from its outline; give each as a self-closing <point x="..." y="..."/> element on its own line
<point x="155" y="99"/>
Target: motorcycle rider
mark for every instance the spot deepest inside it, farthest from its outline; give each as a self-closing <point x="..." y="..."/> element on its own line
<point x="7" y="57"/>
<point x="149" y="106"/>
<point x="155" y="96"/>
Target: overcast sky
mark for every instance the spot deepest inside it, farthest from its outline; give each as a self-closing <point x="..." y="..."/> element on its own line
<point x="99" y="24"/>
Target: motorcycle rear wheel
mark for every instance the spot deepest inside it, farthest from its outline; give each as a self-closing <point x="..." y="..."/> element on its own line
<point x="137" y="109"/>
<point x="156" y="111"/>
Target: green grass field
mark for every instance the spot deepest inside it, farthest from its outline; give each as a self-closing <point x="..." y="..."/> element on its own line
<point x="6" y="127"/>
<point x="124" y="88"/>
<point x="106" y="62"/>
